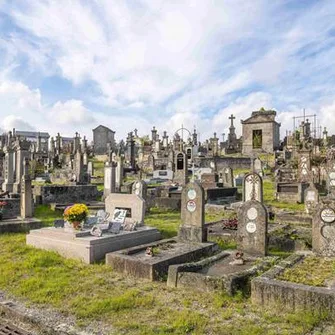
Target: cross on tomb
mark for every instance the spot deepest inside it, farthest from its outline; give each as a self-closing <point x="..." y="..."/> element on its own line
<point x="232" y="118"/>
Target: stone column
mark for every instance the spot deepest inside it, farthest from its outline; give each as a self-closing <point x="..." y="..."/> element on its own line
<point x="119" y="172"/>
<point x="7" y="186"/>
<point x="21" y="153"/>
<point x="26" y="199"/>
<point x="109" y="179"/>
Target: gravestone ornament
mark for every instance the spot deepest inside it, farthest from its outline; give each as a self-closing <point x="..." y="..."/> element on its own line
<point x="252" y="187"/>
<point x="323" y="232"/>
<point x="96" y="231"/>
<point x="192" y="228"/>
<point x="116" y="227"/>
<point x="252" y="228"/>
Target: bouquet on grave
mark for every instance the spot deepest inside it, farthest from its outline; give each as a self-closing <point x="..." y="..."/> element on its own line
<point x="75" y="213"/>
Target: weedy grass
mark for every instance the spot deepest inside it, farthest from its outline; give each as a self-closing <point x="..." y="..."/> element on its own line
<point x="46" y="215"/>
<point x="313" y="271"/>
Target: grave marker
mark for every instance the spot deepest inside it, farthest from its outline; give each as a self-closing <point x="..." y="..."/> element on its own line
<point x="252" y="228"/>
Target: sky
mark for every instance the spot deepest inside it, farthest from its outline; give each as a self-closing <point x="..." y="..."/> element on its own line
<point x="71" y="65"/>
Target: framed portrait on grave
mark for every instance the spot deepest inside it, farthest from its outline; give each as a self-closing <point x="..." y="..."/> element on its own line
<point x="327" y="215"/>
<point x="252" y="213"/>
<point x="191" y="194"/>
<point x="119" y="215"/>
<point x="251" y="227"/>
<point x="191" y="206"/>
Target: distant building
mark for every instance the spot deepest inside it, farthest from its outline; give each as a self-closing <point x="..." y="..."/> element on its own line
<point x="40" y="139"/>
<point x="102" y="138"/>
<point x="260" y="132"/>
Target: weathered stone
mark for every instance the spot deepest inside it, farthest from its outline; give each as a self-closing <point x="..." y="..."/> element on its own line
<point x="252" y="228"/>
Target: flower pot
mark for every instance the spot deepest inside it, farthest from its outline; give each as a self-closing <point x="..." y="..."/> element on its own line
<point x="76" y="225"/>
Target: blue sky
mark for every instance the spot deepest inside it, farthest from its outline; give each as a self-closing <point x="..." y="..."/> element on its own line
<point x="70" y="65"/>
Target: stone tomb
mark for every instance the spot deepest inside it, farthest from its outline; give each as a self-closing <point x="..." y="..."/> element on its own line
<point x="252" y="228"/>
<point x="92" y="243"/>
<point x="323" y="231"/>
<point x="252" y="187"/>
<point x="151" y="261"/>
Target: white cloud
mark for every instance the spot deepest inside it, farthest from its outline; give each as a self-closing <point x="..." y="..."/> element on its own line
<point x="12" y="121"/>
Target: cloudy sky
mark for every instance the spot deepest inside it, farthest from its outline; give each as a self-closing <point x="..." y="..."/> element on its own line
<point x="70" y="65"/>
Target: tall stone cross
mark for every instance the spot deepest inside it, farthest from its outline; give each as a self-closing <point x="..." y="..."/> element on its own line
<point x="232" y="118"/>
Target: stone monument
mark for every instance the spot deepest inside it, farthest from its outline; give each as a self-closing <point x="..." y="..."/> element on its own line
<point x="323" y="231"/>
<point x="193" y="214"/>
<point x="181" y="172"/>
<point x="252" y="228"/>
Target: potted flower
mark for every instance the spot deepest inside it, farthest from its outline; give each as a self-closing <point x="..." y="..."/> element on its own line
<point x="75" y="214"/>
<point x="2" y="208"/>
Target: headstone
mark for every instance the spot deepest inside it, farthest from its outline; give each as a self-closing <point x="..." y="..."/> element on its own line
<point x="252" y="187"/>
<point x="257" y="166"/>
<point x="311" y="199"/>
<point x="227" y="177"/>
<point x="133" y="203"/>
<point x="252" y="228"/>
<point x="90" y="169"/>
<point x="119" y="172"/>
<point x="140" y="188"/>
<point x="193" y="228"/>
<point x="323" y="232"/>
<point x="181" y="172"/>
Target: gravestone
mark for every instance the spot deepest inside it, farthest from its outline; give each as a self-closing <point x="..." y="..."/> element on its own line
<point x="90" y="170"/>
<point x="140" y="188"/>
<point x="193" y="228"/>
<point x="181" y="172"/>
<point x="311" y="197"/>
<point x="252" y="228"/>
<point x="252" y="187"/>
<point x="256" y="166"/>
<point x="26" y="199"/>
<point x="109" y="179"/>
<point x="227" y="177"/>
<point x="134" y="204"/>
<point x="323" y="231"/>
<point x="331" y="179"/>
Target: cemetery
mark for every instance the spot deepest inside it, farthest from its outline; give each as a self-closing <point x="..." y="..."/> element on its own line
<point x="209" y="235"/>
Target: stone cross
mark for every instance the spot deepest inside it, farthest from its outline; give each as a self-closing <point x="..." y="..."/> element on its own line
<point x="252" y="228"/>
<point x="193" y="228"/>
<point x="232" y="118"/>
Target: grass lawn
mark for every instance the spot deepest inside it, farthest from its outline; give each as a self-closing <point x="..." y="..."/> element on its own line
<point x="128" y="305"/>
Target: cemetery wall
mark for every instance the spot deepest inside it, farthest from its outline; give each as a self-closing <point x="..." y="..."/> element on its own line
<point x="65" y="193"/>
<point x="222" y="162"/>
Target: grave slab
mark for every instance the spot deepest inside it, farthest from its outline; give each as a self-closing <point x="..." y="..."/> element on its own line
<point x="85" y="247"/>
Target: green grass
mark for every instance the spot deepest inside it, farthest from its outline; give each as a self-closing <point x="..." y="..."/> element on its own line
<point x="46" y="215"/>
<point x="130" y="306"/>
<point x="166" y="221"/>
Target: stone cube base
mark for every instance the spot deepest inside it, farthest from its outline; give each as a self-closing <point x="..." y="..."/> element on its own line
<point x="83" y="246"/>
